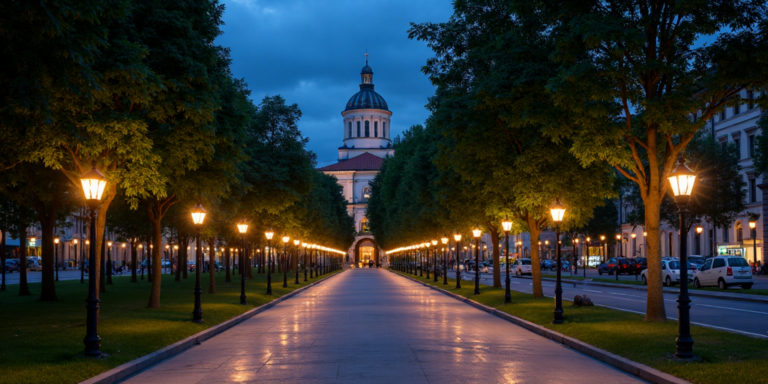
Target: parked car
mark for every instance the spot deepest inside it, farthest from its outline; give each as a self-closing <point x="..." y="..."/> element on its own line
<point x="641" y="263"/>
<point x="723" y="272"/>
<point x="522" y="267"/>
<point x="696" y="260"/>
<point x="11" y="265"/>
<point x="670" y="273"/>
<point x="471" y="267"/>
<point x="618" y="265"/>
<point x="190" y="266"/>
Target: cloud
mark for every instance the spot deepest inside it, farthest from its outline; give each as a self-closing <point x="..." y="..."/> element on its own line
<point x="311" y="53"/>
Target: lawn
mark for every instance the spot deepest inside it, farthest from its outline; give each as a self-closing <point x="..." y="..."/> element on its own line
<point x="43" y="341"/>
<point x="721" y="357"/>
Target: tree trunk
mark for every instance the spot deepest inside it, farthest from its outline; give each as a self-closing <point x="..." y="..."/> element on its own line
<point x="227" y="276"/>
<point x="250" y="263"/>
<point x="156" y="266"/>
<point x="212" y="268"/>
<point x="133" y="260"/>
<point x="655" y="310"/>
<point x="179" y="261"/>
<point x="23" y="285"/>
<point x="496" y="264"/>
<point x="533" y="229"/>
<point x="48" y="286"/>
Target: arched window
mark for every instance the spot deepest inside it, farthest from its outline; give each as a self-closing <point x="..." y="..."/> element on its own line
<point x="367" y="128"/>
<point x="349" y="132"/>
<point x="364" y="227"/>
<point x="366" y="193"/>
<point x="358" y="129"/>
<point x="384" y="130"/>
<point x="739" y="232"/>
<point x="375" y="129"/>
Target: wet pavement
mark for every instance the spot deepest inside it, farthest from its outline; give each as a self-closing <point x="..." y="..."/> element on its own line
<point x="372" y="326"/>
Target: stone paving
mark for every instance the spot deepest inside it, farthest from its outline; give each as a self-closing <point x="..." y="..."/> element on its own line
<point x="372" y="326"/>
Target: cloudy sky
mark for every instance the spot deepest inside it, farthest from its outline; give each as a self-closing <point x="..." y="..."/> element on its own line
<point x="311" y="53"/>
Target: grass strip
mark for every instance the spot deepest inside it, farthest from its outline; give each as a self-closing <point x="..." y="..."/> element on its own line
<point x="721" y="357"/>
<point x="43" y="341"/>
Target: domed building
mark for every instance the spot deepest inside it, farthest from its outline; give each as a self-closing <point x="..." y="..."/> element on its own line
<point x="367" y="141"/>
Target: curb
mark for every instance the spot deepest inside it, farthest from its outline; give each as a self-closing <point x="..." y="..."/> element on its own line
<point x="640" y="370"/>
<point x="125" y="370"/>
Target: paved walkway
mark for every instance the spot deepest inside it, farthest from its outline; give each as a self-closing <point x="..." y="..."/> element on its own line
<point x="372" y="326"/>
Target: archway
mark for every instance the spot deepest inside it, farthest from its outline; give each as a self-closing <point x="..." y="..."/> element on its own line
<point x="366" y="249"/>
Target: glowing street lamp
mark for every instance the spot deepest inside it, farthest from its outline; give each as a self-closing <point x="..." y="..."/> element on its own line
<point x="682" y="181"/>
<point x="198" y="217"/>
<point x="269" y="234"/>
<point x="476" y="232"/>
<point x="752" y="226"/>
<point x="557" y="210"/>
<point x="457" y="237"/>
<point x="506" y="226"/>
<point x="56" y="241"/>
<point x="286" y="239"/>
<point x="93" y="183"/>
<point x="444" y="241"/>
<point x="434" y="259"/>
<point x="242" y="228"/>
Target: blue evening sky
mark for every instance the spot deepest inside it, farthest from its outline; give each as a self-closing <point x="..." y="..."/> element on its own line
<point x="311" y="53"/>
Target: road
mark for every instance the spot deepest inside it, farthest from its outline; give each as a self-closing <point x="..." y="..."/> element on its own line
<point x="372" y="326"/>
<point x="737" y="316"/>
<point x="760" y="282"/>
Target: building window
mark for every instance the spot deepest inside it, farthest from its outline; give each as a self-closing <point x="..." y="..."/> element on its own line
<point x="751" y="145"/>
<point x="739" y="232"/>
<point x="669" y="243"/>
<point x="722" y="114"/>
<point x="375" y="129"/>
<point x="737" y="143"/>
<point x="364" y="227"/>
<point x="750" y="99"/>
<point x="349" y="132"/>
<point x="358" y="129"/>
<point x="384" y="130"/>
<point x="736" y="109"/>
<point x="752" y="191"/>
<point x="726" y="235"/>
<point x="366" y="193"/>
<point x="367" y="128"/>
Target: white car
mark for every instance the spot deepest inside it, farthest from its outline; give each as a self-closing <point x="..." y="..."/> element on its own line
<point x="724" y="271"/>
<point x="522" y="267"/>
<point x="34" y="264"/>
<point x="670" y="272"/>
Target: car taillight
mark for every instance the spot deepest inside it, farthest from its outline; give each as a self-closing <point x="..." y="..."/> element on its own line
<point x="729" y="271"/>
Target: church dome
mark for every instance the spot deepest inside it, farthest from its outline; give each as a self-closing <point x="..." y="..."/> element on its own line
<point x="367" y="98"/>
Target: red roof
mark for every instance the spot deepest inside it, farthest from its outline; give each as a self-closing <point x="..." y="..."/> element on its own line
<point x="364" y="162"/>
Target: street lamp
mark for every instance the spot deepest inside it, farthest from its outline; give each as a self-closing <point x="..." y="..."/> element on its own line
<point x="588" y="241"/>
<point x="558" y="211"/>
<point x="752" y="226"/>
<point x="616" y="267"/>
<point x="286" y="239"/>
<point x="444" y="241"/>
<point x="108" y="264"/>
<point x="198" y="216"/>
<point x="93" y="183"/>
<point x="434" y="259"/>
<point x="304" y="245"/>
<point x="476" y="232"/>
<point x="457" y="237"/>
<point x="682" y="181"/>
<point x="269" y="234"/>
<point x="576" y="256"/>
<point x="506" y="226"/>
<point x="242" y="227"/>
<point x="141" y="247"/>
<point x="296" y="249"/>
<point x="56" y="255"/>
<point x="603" y="251"/>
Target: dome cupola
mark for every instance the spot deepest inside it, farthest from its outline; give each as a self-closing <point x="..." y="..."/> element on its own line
<point x="367" y="98"/>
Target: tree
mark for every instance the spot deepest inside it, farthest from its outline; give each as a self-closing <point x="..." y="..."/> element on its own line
<point x="639" y="86"/>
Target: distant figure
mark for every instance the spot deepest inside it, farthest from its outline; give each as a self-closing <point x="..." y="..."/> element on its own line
<point x="370" y="263"/>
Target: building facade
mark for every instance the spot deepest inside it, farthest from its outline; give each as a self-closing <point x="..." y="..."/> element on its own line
<point x="367" y="141"/>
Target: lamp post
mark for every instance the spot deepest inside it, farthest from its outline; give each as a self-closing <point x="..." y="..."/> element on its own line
<point x="444" y="241"/>
<point x="506" y="225"/>
<point x="242" y="227"/>
<point x="645" y="243"/>
<point x="588" y="240"/>
<point x="616" y="267"/>
<point x="434" y="259"/>
<point x="141" y="247"/>
<point x="634" y="244"/>
<point x="269" y="234"/>
<point x="457" y="237"/>
<point x="603" y="252"/>
<point x="78" y="259"/>
<point x="286" y="239"/>
<point x="296" y="256"/>
<point x="198" y="216"/>
<point x="575" y="256"/>
<point x="558" y="211"/>
<point x="304" y="247"/>
<point x="55" y="255"/>
<point x="108" y="265"/>
<point x="476" y="232"/>
<point x="681" y="181"/>
<point x="124" y="255"/>
<point x="93" y="183"/>
<point x="752" y="226"/>
<point x="700" y="229"/>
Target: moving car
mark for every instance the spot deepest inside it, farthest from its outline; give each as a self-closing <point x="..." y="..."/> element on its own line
<point x="670" y="272"/>
<point x="522" y="267"/>
<point x="723" y="272"/>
